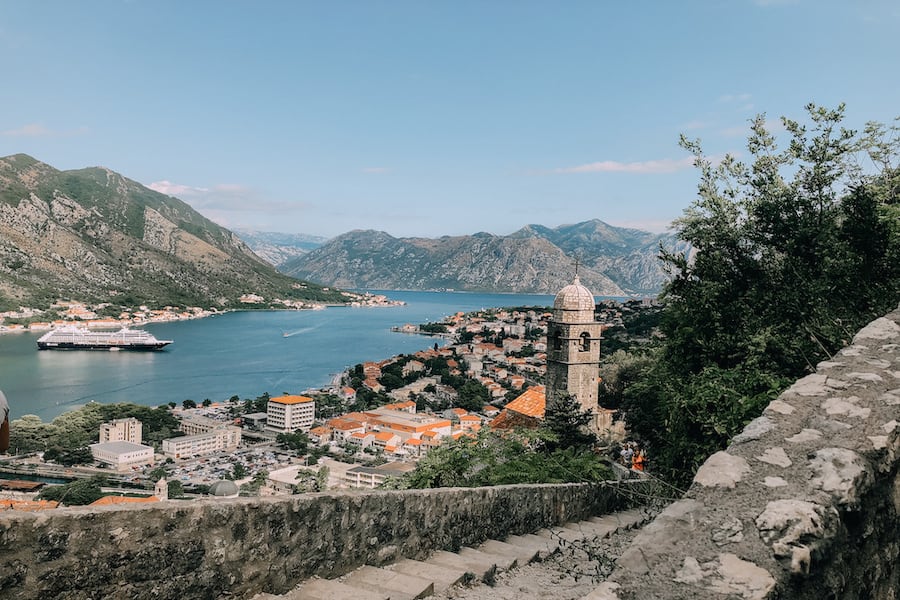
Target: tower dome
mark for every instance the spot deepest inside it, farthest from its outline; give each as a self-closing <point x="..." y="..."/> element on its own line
<point x="574" y="297"/>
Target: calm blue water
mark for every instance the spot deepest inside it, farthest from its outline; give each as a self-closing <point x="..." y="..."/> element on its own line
<point x="243" y="353"/>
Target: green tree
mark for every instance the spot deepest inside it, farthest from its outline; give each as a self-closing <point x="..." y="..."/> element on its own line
<point x="188" y="403"/>
<point x="239" y="471"/>
<point x="473" y="396"/>
<point x="297" y="441"/>
<point x="176" y="488"/>
<point x="792" y="253"/>
<point x="69" y="457"/>
<point x="77" y="493"/>
<point x="567" y="424"/>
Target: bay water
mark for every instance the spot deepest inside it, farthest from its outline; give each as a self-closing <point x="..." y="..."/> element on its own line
<point x="244" y="353"/>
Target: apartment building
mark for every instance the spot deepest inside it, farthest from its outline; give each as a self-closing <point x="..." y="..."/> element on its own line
<point x="290" y="413"/>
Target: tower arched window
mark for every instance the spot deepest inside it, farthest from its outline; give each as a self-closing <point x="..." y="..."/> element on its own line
<point x="557" y="340"/>
<point x="585" y="341"/>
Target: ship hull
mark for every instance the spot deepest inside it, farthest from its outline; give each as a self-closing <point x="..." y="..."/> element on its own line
<point x="101" y="346"/>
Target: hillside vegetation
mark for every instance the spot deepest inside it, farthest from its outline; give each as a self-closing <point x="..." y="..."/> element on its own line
<point x="94" y="235"/>
<point x="796" y="250"/>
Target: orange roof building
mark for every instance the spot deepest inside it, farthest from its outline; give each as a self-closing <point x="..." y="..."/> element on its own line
<point x="290" y="413"/>
<point x="525" y="411"/>
<point x="111" y="500"/>
<point x="28" y="505"/>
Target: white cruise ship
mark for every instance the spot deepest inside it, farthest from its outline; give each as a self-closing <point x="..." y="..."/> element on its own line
<point x="72" y="337"/>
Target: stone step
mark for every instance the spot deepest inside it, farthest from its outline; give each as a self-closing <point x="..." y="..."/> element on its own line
<point x="522" y="554"/>
<point x="398" y="586"/>
<point x="560" y="535"/>
<point x="504" y="562"/>
<point x="544" y="546"/>
<point x="625" y="519"/>
<point x="442" y="577"/>
<point x="588" y="529"/>
<point x="479" y="570"/>
<point x="331" y="589"/>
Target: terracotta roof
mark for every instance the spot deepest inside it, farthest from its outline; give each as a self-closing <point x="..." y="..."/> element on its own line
<point x="471" y="418"/>
<point x="29" y="505"/>
<point x="460" y="411"/>
<point x="530" y="403"/>
<point x="384" y="436"/>
<point x="413" y="442"/>
<point x="344" y="424"/>
<point x="291" y="399"/>
<point x="110" y="500"/>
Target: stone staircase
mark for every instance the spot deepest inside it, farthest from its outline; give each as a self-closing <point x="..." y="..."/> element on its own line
<point x="409" y="579"/>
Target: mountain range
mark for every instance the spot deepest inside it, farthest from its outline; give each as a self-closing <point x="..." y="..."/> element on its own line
<point x="277" y="248"/>
<point x="613" y="261"/>
<point x="94" y="235"/>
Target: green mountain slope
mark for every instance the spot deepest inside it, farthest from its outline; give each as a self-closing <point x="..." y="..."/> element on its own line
<point x="94" y="235"/>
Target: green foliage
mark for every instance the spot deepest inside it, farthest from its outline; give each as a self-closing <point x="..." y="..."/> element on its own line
<point x="251" y="488"/>
<point x="77" y="493"/>
<point x="311" y="481"/>
<point x="497" y="459"/>
<point x="473" y="396"/>
<point x="433" y="327"/>
<point x="81" y="427"/>
<point x="69" y="457"/>
<point x="567" y="424"/>
<point x="795" y="251"/>
<point x="328" y="406"/>
<point x="238" y="471"/>
<point x="175" y="488"/>
<point x="298" y="441"/>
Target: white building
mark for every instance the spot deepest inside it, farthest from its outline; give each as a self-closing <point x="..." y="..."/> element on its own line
<point x="221" y="439"/>
<point x="122" y="430"/>
<point x="122" y="455"/>
<point x="290" y="413"/>
<point x="372" y="477"/>
<point x="193" y="424"/>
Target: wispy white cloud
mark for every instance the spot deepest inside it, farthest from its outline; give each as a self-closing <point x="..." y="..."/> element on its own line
<point x="665" y="165"/>
<point x="225" y="197"/>
<point x="39" y="130"/>
<point x="175" y="189"/>
<point x="375" y="170"/>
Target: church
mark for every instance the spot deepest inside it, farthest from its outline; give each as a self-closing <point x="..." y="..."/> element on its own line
<point x="573" y="361"/>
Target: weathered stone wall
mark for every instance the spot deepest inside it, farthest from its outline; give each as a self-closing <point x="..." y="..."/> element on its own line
<point x="240" y="547"/>
<point x="805" y="502"/>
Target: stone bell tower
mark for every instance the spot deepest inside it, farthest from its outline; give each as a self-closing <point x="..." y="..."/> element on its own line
<point x="573" y="348"/>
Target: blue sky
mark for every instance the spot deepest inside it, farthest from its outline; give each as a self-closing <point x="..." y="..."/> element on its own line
<point x="423" y="117"/>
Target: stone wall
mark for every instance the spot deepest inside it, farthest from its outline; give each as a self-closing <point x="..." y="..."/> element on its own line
<point x="213" y="548"/>
<point x="805" y="502"/>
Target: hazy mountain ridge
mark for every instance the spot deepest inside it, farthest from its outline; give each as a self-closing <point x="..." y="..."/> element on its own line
<point x="278" y="248"/>
<point x="93" y="234"/>
<point x="614" y="261"/>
